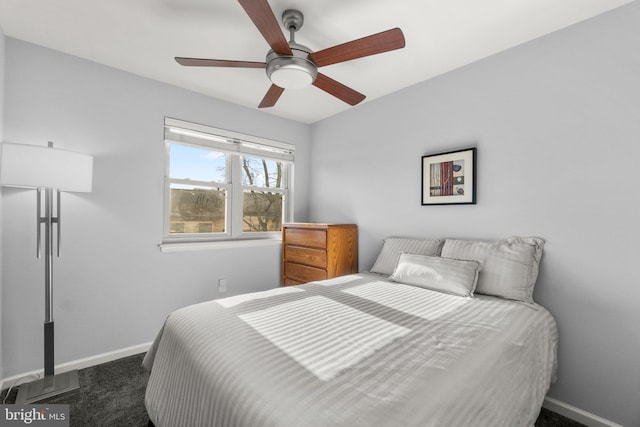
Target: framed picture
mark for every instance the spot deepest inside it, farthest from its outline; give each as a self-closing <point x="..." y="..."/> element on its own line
<point x="449" y="178"/>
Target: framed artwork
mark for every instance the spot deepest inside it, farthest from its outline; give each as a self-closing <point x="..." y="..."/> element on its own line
<point x="449" y="178"/>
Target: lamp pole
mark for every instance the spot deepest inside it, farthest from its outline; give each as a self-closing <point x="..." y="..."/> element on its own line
<point x="48" y="220"/>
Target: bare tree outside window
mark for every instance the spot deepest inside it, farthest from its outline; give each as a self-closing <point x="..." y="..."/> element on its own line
<point x="197" y="210"/>
<point x="262" y="209"/>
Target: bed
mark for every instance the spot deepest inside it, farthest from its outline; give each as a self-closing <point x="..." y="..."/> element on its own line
<point x="421" y="340"/>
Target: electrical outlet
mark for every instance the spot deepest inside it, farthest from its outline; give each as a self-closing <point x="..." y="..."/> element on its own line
<point x="222" y="285"/>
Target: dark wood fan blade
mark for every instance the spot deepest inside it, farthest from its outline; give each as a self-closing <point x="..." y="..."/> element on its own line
<point x="197" y="62"/>
<point x="263" y="18"/>
<point x="272" y="96"/>
<point x="338" y="90"/>
<point x="370" y="45"/>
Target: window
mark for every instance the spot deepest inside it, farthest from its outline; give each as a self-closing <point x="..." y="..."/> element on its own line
<point x="221" y="185"/>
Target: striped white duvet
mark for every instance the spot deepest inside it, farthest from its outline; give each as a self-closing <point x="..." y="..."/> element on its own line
<point x="353" y="351"/>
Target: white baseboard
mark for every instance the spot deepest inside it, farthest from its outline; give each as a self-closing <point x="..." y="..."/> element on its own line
<point x="577" y="414"/>
<point x="16" y="380"/>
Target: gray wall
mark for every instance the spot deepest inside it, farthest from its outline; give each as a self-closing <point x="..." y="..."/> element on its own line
<point x="1" y="136"/>
<point x="557" y="126"/>
<point x="112" y="286"/>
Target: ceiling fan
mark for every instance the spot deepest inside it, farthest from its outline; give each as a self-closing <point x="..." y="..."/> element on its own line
<point x="290" y="65"/>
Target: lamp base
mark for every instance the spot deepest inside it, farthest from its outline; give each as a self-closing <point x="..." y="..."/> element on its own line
<point x="49" y="386"/>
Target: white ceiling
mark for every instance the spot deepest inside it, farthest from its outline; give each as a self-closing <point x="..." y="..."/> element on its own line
<point x="143" y="37"/>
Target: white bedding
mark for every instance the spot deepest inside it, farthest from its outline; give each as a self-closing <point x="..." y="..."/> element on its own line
<point x="353" y="351"/>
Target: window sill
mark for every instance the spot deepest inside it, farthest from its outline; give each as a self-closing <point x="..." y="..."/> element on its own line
<point x="224" y="244"/>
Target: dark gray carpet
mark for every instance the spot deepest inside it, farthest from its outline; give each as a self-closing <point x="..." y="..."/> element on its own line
<point x="112" y="394"/>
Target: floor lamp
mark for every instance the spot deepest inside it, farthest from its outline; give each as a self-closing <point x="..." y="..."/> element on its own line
<point x="51" y="171"/>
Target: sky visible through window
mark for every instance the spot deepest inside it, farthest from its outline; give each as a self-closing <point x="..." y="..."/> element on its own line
<point x="196" y="163"/>
<point x="200" y="164"/>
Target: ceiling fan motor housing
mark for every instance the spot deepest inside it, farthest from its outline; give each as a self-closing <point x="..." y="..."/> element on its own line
<point x="291" y="72"/>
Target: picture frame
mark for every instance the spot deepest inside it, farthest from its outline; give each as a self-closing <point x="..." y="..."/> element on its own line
<point x="449" y="178"/>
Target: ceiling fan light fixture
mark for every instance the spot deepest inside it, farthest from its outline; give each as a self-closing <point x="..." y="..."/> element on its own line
<point x="291" y="73"/>
<point x="291" y="78"/>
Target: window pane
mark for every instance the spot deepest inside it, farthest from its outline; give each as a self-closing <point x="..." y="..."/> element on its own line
<point x="199" y="164"/>
<point x="262" y="172"/>
<point x="197" y="210"/>
<point x="261" y="211"/>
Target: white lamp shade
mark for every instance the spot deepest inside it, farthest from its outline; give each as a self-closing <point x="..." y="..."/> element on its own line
<point x="33" y="166"/>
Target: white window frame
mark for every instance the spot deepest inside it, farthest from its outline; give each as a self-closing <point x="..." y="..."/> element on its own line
<point x="234" y="145"/>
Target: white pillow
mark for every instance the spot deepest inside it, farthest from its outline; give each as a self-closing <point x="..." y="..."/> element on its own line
<point x="439" y="274"/>
<point x="394" y="246"/>
<point x="509" y="266"/>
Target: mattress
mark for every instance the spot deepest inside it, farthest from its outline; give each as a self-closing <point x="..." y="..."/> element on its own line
<point x="356" y="350"/>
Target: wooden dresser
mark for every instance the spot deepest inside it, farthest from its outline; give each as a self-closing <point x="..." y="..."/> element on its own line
<point x="318" y="251"/>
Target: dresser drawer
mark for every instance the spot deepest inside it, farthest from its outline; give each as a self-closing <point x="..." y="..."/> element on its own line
<point x="291" y="282"/>
<point x="303" y="273"/>
<point x="309" y="238"/>
<point x="307" y="256"/>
